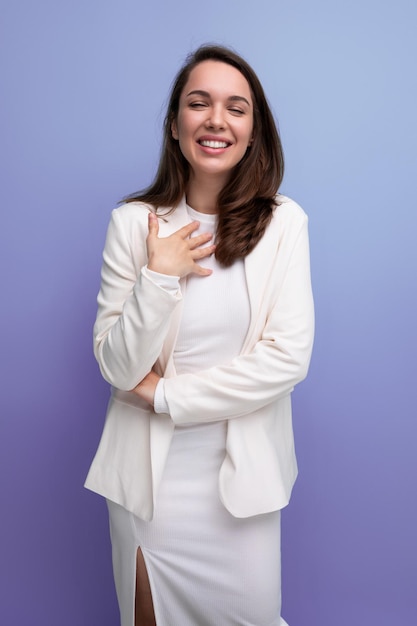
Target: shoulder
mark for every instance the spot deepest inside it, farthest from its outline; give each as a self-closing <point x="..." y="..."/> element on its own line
<point x="130" y="213"/>
<point x="288" y="226"/>
<point x="288" y="219"/>
<point x="289" y="210"/>
<point x="126" y="233"/>
<point x="133" y="217"/>
<point x="129" y="221"/>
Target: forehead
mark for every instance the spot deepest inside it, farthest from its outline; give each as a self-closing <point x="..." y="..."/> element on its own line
<point x="216" y="76"/>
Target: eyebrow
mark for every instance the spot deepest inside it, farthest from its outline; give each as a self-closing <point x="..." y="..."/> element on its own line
<point x="205" y="94"/>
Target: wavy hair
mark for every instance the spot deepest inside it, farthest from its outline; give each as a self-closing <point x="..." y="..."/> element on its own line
<point x="246" y="203"/>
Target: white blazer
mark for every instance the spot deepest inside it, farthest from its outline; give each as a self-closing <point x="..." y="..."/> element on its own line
<point x="136" y="328"/>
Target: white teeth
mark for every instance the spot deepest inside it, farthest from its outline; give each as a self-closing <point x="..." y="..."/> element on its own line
<point x="213" y="144"/>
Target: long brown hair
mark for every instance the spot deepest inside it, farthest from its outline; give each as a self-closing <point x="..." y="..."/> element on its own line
<point x="246" y="203"/>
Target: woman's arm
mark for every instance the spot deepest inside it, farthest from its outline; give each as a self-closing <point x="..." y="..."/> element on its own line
<point x="134" y="311"/>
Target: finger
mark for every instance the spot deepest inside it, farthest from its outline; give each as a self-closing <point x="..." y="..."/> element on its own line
<point x="201" y="271"/>
<point x="187" y="230"/>
<point x="195" y="242"/>
<point x="202" y="253"/>
<point x="153" y="225"/>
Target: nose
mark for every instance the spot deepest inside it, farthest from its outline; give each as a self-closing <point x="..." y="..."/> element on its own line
<point x="216" y="118"/>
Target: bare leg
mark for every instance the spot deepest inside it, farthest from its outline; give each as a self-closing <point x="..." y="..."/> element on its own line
<point x="144" y="613"/>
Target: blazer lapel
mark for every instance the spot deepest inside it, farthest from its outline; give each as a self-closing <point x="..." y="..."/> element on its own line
<point x="167" y="226"/>
<point x="257" y="270"/>
<point x="161" y="425"/>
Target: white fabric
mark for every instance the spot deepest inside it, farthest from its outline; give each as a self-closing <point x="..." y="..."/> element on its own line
<point x="212" y="558"/>
<point x="167" y="282"/>
<point x="136" y="328"/>
<point x="215" y="317"/>
<point x="206" y="567"/>
<point x="216" y="311"/>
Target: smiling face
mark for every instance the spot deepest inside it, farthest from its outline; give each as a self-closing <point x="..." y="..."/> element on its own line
<point x="214" y="125"/>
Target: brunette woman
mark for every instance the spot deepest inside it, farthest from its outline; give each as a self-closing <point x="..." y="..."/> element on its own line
<point x="204" y="327"/>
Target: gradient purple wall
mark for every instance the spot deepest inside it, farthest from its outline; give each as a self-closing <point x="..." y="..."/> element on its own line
<point x="83" y="90"/>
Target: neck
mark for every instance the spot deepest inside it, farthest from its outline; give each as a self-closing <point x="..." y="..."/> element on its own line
<point x="202" y="194"/>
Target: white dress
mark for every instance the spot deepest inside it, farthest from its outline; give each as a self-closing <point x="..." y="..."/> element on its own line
<point x="205" y="567"/>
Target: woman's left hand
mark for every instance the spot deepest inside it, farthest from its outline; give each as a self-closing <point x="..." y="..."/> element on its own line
<point x="146" y="388"/>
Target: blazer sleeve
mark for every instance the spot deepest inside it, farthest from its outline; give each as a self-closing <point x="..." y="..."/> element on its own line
<point x="278" y="360"/>
<point x="133" y="312"/>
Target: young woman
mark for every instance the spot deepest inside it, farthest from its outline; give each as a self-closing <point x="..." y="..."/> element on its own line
<point x="204" y="327"/>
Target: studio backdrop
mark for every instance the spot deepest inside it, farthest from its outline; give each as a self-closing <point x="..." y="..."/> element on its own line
<point x="84" y="85"/>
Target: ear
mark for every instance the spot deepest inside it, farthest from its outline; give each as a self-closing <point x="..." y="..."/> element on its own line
<point x="174" y="130"/>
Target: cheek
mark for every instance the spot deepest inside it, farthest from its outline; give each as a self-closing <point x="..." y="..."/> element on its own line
<point x="245" y="131"/>
<point x="247" y="135"/>
<point x="184" y="138"/>
<point x="251" y="131"/>
<point x="183" y="124"/>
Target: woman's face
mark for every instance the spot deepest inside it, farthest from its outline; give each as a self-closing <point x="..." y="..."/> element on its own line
<point x="214" y="125"/>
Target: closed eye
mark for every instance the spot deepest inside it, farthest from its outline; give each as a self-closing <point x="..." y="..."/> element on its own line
<point x="196" y="105"/>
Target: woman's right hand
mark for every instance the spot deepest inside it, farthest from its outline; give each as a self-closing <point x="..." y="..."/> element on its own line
<point x="177" y="254"/>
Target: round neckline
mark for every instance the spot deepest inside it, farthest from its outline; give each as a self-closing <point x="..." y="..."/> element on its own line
<point x="201" y="217"/>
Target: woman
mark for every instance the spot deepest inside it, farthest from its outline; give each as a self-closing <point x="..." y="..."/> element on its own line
<point x="204" y="326"/>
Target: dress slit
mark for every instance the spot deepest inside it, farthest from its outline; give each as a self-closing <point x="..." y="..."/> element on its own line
<point x="147" y="610"/>
<point x="204" y="566"/>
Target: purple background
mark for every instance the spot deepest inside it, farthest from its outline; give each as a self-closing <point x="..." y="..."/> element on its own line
<point x="84" y="84"/>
